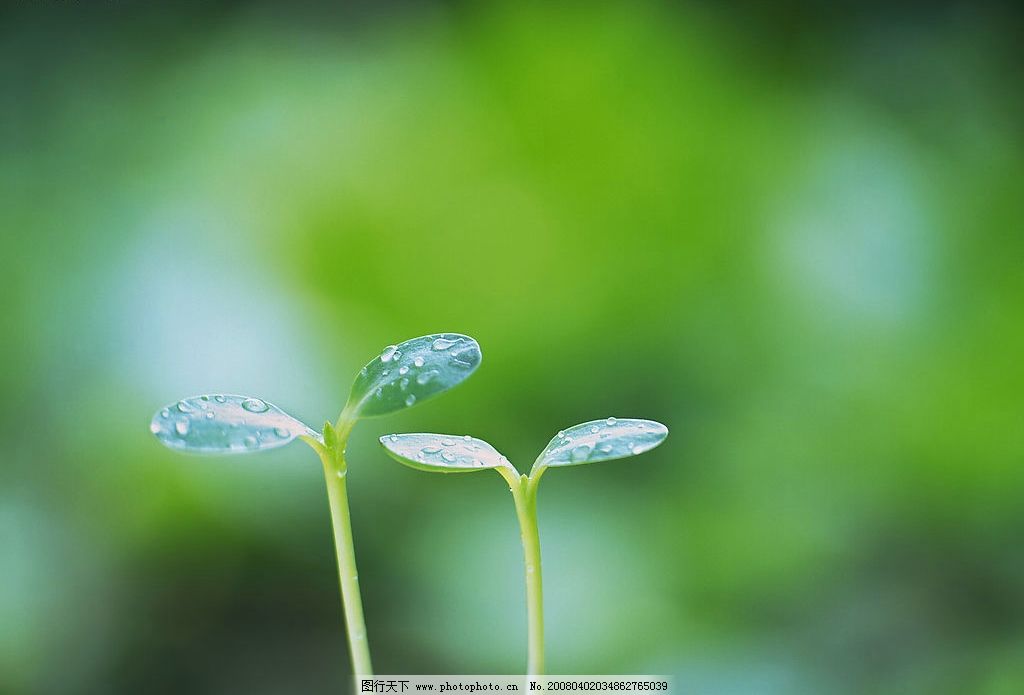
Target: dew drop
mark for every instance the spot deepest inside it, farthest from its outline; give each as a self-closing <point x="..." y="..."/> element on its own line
<point x="388" y="353"/>
<point x="430" y="449"/>
<point x="447" y="457"/>
<point x="580" y="453"/>
<point x="403" y="384"/>
<point x="255" y="405"/>
<point x="441" y="344"/>
<point x="410" y="401"/>
<point x="426" y="377"/>
<point x="209" y="414"/>
<point x="447" y="442"/>
<point x="561" y="434"/>
<point x="466" y="357"/>
<point x="205" y="398"/>
<point x="251" y="443"/>
<point x="397" y="356"/>
<point x="154" y="428"/>
<point x="181" y="427"/>
<point x="604" y="448"/>
<point x="418" y="362"/>
<point x="466" y="438"/>
<point x="385" y="372"/>
<point x="594" y="429"/>
<point x="183" y="407"/>
<point x="379" y="392"/>
<point x="610" y="422"/>
<point x="403" y="370"/>
<point x="282" y="432"/>
<point x="220" y="399"/>
<point x="165" y="413"/>
<point x="393" y="437"/>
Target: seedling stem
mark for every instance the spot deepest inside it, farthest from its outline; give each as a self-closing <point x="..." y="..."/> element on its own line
<point x="332" y="454"/>
<point x="524" y="493"/>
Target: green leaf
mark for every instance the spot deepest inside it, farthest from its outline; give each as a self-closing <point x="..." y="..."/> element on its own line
<point x="406" y="374"/>
<point x="225" y="424"/>
<point x="601" y="440"/>
<point x="443" y="453"/>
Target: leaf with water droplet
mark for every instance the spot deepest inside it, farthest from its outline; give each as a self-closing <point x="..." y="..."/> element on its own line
<point x="601" y="440"/>
<point x="409" y="373"/>
<point x="225" y="424"/>
<point x="443" y="453"/>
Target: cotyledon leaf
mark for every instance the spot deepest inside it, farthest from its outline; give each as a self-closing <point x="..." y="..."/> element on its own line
<point x="406" y="374"/>
<point x="443" y="453"/>
<point x="225" y="424"/>
<point x="602" y="440"/>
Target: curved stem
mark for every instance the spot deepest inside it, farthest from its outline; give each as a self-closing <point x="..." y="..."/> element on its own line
<point x="336" y="475"/>
<point x="524" y="492"/>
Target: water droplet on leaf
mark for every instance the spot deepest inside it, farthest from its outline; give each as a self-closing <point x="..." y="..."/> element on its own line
<point x="426" y="377"/>
<point x="580" y="453"/>
<point x="255" y="405"/>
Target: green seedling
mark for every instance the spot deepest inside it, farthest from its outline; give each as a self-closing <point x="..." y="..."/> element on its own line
<point x="590" y="442"/>
<point x="400" y="377"/>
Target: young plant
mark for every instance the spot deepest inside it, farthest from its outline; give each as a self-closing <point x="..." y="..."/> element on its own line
<point x="400" y="377"/>
<point x="590" y="442"/>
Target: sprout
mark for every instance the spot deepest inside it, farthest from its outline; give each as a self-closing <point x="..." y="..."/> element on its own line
<point x="400" y="377"/>
<point x="589" y="442"/>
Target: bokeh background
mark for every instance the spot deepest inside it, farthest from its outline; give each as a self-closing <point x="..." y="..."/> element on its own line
<point x="793" y="233"/>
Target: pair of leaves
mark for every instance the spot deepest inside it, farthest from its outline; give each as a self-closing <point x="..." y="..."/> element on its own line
<point x="400" y="377"/>
<point x="589" y="442"/>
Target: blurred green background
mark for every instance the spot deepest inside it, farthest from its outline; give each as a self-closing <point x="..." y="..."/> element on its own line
<point x="793" y="234"/>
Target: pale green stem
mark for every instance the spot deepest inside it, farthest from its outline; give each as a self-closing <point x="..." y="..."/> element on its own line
<point x="336" y="475"/>
<point x="524" y="492"/>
